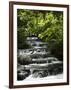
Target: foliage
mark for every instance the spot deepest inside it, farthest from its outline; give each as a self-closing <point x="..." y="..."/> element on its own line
<point x="48" y="25"/>
<point x="24" y="59"/>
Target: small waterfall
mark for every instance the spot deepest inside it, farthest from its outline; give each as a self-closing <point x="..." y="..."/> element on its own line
<point x="37" y="60"/>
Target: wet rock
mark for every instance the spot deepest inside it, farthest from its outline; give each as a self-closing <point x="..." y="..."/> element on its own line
<point x="21" y="75"/>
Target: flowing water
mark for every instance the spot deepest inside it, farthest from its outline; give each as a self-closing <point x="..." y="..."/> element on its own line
<point x="37" y="61"/>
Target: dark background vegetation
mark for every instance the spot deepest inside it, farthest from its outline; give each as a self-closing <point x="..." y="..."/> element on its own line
<point x="48" y="25"/>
